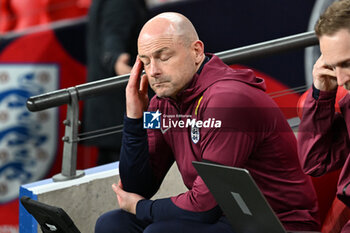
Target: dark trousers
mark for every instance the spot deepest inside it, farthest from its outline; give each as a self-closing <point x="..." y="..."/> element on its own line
<point x="119" y="221"/>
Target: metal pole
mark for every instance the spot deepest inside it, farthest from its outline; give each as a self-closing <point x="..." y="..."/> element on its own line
<point x="62" y="96"/>
<point x="69" y="160"/>
<point x="264" y="49"/>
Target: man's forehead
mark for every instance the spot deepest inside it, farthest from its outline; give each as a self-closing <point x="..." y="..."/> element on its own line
<point x="150" y="38"/>
<point x="157" y="44"/>
<point x="155" y="52"/>
<point x="335" y="48"/>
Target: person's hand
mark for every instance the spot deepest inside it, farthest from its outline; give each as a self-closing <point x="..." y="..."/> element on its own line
<point x="324" y="76"/>
<point x="136" y="92"/>
<point x="127" y="201"/>
<point x="122" y="64"/>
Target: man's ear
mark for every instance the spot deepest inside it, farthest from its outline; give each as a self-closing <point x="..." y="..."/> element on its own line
<point x="198" y="51"/>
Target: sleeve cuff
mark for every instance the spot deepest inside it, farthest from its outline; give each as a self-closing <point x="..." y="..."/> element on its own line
<point x="144" y="209"/>
<point x="323" y="95"/>
<point x="315" y="92"/>
<point x="134" y="127"/>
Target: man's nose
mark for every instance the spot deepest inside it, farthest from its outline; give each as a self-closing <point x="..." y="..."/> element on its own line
<point x="343" y="75"/>
<point x="154" y="69"/>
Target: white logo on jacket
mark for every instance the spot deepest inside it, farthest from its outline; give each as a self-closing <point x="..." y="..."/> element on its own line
<point x="195" y="136"/>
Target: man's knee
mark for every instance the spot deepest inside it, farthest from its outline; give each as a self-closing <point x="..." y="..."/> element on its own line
<point x="176" y="226"/>
<point x="113" y="221"/>
<point x="105" y="223"/>
<point x="159" y="227"/>
<point x="119" y="221"/>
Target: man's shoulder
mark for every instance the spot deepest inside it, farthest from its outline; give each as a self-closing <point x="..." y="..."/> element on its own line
<point x="231" y="90"/>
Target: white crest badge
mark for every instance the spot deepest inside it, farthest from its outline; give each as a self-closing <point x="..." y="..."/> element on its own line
<point x="28" y="141"/>
<point x="195" y="134"/>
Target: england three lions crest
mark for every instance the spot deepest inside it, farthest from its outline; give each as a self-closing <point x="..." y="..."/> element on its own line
<point x="195" y="136"/>
<point x="28" y="141"/>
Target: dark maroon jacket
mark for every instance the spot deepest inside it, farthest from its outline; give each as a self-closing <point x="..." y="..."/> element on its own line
<point x="323" y="138"/>
<point x="253" y="134"/>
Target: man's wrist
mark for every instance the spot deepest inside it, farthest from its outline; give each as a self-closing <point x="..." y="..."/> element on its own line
<point x="134" y="126"/>
<point x="324" y="95"/>
<point x="325" y="85"/>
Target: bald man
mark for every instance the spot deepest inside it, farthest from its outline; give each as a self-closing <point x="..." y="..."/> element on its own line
<point x="203" y="110"/>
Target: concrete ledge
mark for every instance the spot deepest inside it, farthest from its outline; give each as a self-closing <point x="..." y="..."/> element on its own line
<point x="86" y="198"/>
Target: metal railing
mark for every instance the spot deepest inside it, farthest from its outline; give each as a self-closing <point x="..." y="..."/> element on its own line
<point x="267" y="48"/>
<point x="72" y="95"/>
<point x="62" y="96"/>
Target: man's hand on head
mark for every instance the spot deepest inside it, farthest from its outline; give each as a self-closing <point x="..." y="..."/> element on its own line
<point x="136" y="92"/>
<point x="324" y="76"/>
